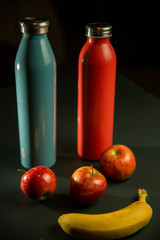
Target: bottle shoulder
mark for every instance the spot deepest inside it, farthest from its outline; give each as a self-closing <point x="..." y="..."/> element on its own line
<point x="97" y="52"/>
<point x="35" y="51"/>
<point x="30" y="46"/>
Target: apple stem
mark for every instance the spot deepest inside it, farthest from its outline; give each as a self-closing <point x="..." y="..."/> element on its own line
<point x="92" y="169"/>
<point x="21" y="170"/>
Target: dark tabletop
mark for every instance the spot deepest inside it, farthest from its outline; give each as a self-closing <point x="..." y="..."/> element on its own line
<point x="136" y="125"/>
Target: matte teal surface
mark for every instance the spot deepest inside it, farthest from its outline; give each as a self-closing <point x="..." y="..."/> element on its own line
<point x="35" y="72"/>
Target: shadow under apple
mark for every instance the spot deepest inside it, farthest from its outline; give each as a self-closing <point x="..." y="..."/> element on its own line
<point x="64" y="203"/>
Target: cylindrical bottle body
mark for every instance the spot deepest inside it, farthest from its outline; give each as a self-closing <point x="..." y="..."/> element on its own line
<point x="96" y="93"/>
<point x="35" y="76"/>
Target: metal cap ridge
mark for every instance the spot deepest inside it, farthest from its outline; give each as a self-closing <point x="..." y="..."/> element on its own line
<point x="98" y="30"/>
<point x="33" y="25"/>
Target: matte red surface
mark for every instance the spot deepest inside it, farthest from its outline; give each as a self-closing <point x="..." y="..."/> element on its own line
<point x="96" y="92"/>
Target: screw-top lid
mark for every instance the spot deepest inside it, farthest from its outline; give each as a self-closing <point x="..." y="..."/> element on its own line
<point x="98" y="30"/>
<point x="33" y="25"/>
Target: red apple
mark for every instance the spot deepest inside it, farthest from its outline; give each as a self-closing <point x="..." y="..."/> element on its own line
<point x="39" y="183"/>
<point x="87" y="185"/>
<point x="118" y="162"/>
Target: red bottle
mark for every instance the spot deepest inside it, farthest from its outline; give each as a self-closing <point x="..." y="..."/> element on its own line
<point x="96" y="92"/>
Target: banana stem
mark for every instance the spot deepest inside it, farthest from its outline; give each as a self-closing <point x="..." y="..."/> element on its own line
<point x="142" y="193"/>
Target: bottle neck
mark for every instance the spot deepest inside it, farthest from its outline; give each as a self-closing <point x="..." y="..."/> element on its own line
<point x="93" y="40"/>
<point x="34" y="36"/>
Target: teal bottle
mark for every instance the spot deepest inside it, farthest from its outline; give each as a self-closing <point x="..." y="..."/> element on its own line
<point x="35" y="78"/>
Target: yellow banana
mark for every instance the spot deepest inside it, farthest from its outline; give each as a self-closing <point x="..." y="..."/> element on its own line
<point x="113" y="225"/>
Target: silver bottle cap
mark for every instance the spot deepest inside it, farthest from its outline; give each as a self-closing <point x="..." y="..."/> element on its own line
<point x="98" y="30"/>
<point x="33" y="25"/>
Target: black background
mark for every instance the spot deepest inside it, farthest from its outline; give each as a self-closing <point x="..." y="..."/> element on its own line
<point x="135" y="35"/>
<point x="137" y="116"/>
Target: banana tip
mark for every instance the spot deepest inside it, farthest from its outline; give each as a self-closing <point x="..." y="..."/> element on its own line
<point x="142" y="190"/>
<point x="142" y="193"/>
